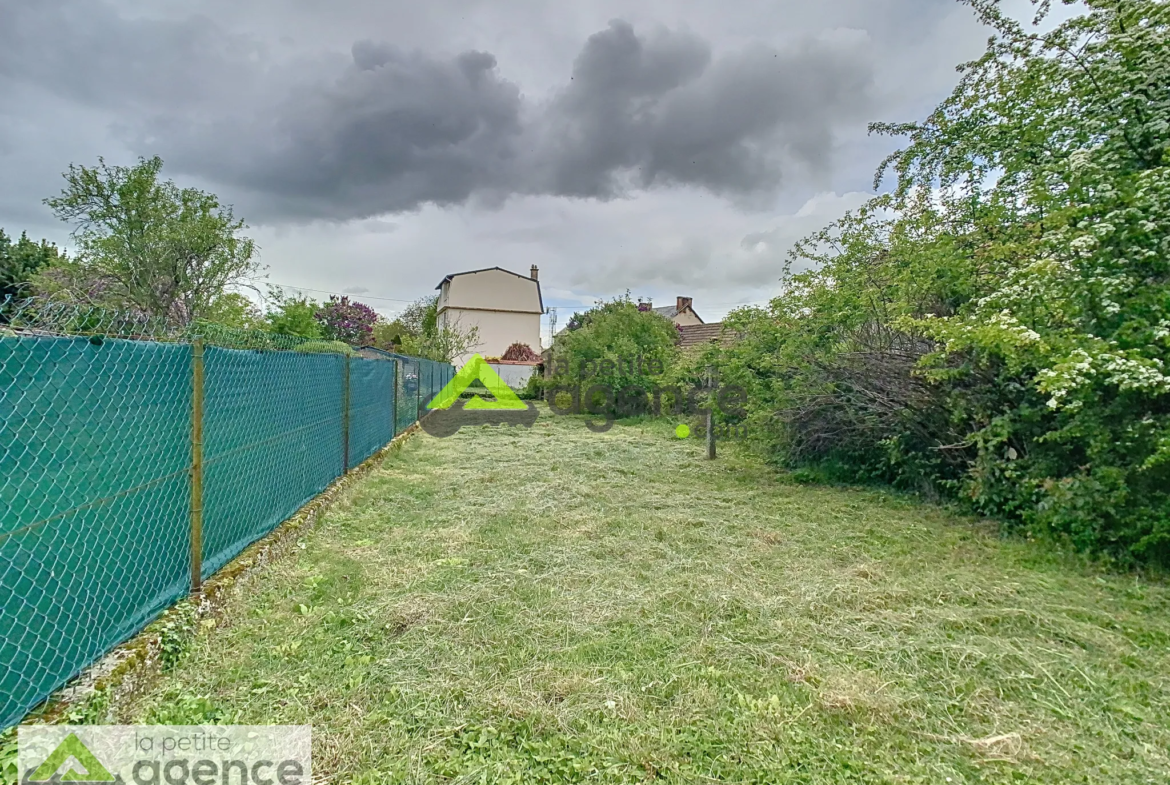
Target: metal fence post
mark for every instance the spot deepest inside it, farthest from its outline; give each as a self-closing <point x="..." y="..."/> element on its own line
<point x="197" y="465"/>
<point x="345" y="416"/>
<point x="710" y="413"/>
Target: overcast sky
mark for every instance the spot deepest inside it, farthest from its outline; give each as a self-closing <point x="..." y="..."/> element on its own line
<point x="667" y="147"/>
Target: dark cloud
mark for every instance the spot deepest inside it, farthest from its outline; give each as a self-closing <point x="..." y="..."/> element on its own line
<point x="657" y="110"/>
<point x="87" y="52"/>
<point x="392" y="131"/>
<point x="389" y="130"/>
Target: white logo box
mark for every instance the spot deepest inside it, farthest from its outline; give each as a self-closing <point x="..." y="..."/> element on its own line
<point x="165" y="754"/>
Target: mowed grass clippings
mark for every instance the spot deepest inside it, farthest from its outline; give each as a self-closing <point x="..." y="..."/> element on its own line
<point x="554" y="605"/>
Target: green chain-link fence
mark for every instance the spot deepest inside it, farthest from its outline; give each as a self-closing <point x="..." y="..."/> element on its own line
<point x="419" y="381"/>
<point x="122" y="447"/>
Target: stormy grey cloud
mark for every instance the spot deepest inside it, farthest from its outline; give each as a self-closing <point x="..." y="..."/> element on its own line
<point x="656" y="109"/>
<point x="393" y="129"/>
<point x="90" y="53"/>
<point x="665" y="146"/>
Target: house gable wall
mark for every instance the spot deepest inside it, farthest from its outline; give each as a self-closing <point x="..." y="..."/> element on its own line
<point x="497" y="330"/>
<point x="496" y="290"/>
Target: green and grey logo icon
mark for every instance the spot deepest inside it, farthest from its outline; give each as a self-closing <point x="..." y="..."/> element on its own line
<point x="63" y="764"/>
<point x="449" y="412"/>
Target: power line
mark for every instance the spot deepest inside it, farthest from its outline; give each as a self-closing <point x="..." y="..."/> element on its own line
<point x="326" y="291"/>
<point x="738" y="305"/>
<point x="408" y="302"/>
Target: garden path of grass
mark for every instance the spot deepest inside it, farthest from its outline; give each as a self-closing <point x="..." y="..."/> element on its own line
<point x="554" y="605"/>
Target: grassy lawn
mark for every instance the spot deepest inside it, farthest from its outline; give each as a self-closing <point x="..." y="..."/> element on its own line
<point x="553" y="605"/>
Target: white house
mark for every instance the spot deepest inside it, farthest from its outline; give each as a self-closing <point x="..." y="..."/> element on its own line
<point x="505" y="307"/>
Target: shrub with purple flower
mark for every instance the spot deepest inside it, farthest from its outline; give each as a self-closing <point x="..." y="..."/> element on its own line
<point x="342" y="320"/>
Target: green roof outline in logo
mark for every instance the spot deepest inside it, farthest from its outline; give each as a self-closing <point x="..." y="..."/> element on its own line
<point x="477" y="368"/>
<point x="72" y="747"/>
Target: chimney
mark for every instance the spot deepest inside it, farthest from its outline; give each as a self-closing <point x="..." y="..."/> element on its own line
<point x="682" y="303"/>
<point x="534" y="273"/>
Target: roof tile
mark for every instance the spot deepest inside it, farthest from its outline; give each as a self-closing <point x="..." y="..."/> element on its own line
<point x="697" y="334"/>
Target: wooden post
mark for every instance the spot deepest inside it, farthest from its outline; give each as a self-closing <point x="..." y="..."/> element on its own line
<point x="710" y="413"/>
<point x="197" y="466"/>
<point x="345" y="415"/>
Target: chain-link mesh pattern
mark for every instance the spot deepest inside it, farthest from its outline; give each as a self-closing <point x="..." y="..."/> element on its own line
<point x="372" y="407"/>
<point x="407" y="399"/>
<point x="41" y="316"/>
<point x="96" y="469"/>
<point x="433" y="377"/>
<point x="419" y="381"/>
<point x="94" y="502"/>
<point x="272" y="431"/>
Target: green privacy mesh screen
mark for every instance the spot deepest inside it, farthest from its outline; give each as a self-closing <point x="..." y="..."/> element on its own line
<point x="407" y="407"/>
<point x="372" y="407"/>
<point x="272" y="430"/>
<point x="96" y="473"/>
<point x="94" y="502"/>
<point x="419" y="381"/>
<point x="435" y="377"/>
<point x="427" y="378"/>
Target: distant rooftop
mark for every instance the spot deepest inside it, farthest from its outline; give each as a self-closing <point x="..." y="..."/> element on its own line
<point x="681" y="304"/>
<point x="698" y="334"/>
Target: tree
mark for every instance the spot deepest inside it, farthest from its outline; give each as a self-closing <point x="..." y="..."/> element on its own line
<point x="997" y="329"/>
<point x="350" y="322"/>
<point x="21" y="261"/>
<point x="233" y="309"/>
<point x="416" y="331"/>
<point x="616" y="345"/>
<point x="421" y="317"/>
<point x="148" y="245"/>
<point x="389" y="335"/>
<point x="442" y="344"/>
<point x="288" y="315"/>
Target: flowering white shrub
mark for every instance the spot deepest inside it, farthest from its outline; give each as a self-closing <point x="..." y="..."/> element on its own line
<point x="998" y="328"/>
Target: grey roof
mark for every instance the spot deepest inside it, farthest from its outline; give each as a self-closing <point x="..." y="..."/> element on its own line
<point x="671" y="311"/>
